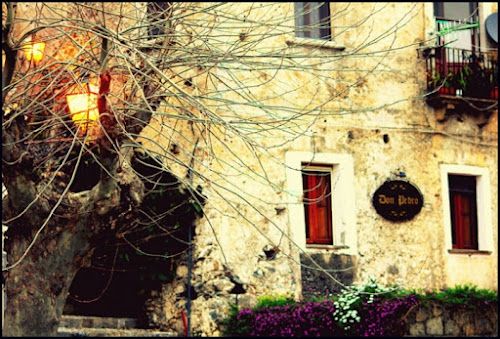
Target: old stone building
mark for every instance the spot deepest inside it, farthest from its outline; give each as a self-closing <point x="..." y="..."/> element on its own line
<point x="442" y="143"/>
<point x="390" y="174"/>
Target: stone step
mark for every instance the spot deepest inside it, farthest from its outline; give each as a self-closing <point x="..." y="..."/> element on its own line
<point x="75" y="321"/>
<point x="111" y="332"/>
<point x="88" y="326"/>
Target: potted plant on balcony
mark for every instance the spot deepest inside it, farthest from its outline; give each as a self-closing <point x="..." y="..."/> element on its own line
<point x="493" y="77"/>
<point x="475" y="78"/>
<point x="443" y="84"/>
<point x="433" y="81"/>
<point x="461" y="81"/>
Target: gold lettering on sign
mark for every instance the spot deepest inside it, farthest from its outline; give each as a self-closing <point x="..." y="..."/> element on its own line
<point x="402" y="200"/>
<point x="382" y="199"/>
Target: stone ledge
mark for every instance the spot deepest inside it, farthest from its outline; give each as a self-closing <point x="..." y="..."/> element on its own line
<point x="309" y="42"/>
<point x="326" y="247"/>
<point x="469" y="252"/>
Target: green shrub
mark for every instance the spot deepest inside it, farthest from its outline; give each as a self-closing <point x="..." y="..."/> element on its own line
<point x="274" y="301"/>
<point x="469" y="296"/>
<point x="235" y="325"/>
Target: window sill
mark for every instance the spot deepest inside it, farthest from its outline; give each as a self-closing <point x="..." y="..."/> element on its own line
<point x="469" y="252"/>
<point x="308" y="42"/>
<point x="325" y="247"/>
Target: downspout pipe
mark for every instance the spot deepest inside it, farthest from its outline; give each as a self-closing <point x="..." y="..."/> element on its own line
<point x="190" y="250"/>
<point x="189" y="281"/>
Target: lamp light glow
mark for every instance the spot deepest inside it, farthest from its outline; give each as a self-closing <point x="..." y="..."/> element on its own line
<point x="82" y="104"/>
<point x="34" y="50"/>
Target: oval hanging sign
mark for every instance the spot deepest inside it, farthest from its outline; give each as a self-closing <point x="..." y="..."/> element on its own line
<point x="397" y="200"/>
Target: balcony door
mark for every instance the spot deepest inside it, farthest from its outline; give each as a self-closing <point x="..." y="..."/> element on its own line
<point x="458" y="24"/>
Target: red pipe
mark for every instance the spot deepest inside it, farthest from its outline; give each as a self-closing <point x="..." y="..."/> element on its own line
<point x="184" y="321"/>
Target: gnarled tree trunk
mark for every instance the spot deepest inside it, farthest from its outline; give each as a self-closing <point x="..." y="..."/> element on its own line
<point x="40" y="276"/>
<point x="52" y="230"/>
<point x="38" y="285"/>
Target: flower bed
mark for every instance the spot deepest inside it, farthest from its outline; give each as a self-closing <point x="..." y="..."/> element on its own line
<point x="370" y="310"/>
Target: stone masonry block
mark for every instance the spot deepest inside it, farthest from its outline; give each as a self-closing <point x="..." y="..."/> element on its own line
<point x="469" y="330"/>
<point x="451" y="328"/>
<point x="71" y="321"/>
<point x="437" y="311"/>
<point x="434" y="326"/>
<point x="484" y="326"/>
<point x="87" y="322"/>
<point x="422" y="315"/>
<point x="126" y="323"/>
<point x="223" y="285"/>
<point x="417" y="329"/>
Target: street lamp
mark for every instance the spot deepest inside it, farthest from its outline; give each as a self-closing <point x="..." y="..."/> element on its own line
<point x="82" y="104"/>
<point x="34" y="50"/>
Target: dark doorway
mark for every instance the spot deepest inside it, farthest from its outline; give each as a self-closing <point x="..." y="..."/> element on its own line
<point x="113" y="290"/>
<point x="141" y="254"/>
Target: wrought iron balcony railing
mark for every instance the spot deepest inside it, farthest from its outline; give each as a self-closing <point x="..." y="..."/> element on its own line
<point x="458" y="72"/>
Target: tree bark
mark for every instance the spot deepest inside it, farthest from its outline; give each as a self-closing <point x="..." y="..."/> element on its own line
<point x="37" y="291"/>
<point x="37" y="286"/>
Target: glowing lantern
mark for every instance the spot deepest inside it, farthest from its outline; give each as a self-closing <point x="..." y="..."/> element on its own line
<point x="34" y="50"/>
<point x="83" y="107"/>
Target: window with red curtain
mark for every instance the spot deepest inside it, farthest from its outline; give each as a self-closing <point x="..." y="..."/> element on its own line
<point x="463" y="211"/>
<point x="317" y="205"/>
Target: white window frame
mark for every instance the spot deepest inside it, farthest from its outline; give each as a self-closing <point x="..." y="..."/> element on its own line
<point x="342" y="189"/>
<point x="483" y="203"/>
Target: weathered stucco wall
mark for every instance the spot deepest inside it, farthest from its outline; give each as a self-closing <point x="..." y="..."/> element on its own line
<point x="387" y="127"/>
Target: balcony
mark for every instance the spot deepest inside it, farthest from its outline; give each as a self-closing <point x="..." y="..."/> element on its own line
<point x="461" y="79"/>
